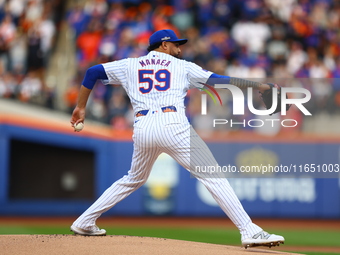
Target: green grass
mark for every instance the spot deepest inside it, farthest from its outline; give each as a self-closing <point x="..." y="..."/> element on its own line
<point x="207" y="235"/>
<point x="32" y="230"/>
<point x="320" y="253"/>
<point x="311" y="238"/>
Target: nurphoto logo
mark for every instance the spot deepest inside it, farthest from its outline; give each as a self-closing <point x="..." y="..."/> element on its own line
<point x="239" y="105"/>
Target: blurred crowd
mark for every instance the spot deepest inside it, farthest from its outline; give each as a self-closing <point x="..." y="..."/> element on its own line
<point x="27" y="35"/>
<point x="255" y="39"/>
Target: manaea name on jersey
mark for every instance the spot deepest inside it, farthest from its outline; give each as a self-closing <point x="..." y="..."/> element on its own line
<point x="155" y="62"/>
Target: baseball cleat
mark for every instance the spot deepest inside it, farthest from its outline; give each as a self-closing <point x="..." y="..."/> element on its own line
<point x="95" y="232"/>
<point x="263" y="239"/>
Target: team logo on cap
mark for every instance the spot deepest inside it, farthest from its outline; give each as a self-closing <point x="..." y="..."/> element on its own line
<point x="166" y="38"/>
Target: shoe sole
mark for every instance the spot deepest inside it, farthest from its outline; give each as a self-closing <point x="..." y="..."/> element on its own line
<point x="85" y="233"/>
<point x="269" y="244"/>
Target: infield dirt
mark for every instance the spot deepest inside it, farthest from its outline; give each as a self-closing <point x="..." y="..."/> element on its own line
<point x="120" y="245"/>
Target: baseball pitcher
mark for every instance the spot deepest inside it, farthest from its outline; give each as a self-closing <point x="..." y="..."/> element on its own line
<point x="157" y="84"/>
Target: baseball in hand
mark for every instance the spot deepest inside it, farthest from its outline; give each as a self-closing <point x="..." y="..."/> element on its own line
<point x="79" y="127"/>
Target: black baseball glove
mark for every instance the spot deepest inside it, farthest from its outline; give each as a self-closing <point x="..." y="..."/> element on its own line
<point x="267" y="98"/>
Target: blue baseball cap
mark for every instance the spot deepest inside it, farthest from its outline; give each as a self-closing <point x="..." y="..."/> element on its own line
<point x="166" y="35"/>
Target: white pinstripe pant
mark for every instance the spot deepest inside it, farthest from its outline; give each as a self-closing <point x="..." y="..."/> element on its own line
<point x="172" y="134"/>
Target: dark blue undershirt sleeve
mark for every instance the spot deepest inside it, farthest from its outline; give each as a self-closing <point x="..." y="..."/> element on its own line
<point x="218" y="79"/>
<point x="93" y="74"/>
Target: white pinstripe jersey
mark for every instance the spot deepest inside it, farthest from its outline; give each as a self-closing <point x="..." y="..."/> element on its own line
<point x="155" y="80"/>
<point x="152" y="82"/>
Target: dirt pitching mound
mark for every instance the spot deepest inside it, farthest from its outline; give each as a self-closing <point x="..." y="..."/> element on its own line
<point x="70" y="244"/>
